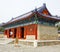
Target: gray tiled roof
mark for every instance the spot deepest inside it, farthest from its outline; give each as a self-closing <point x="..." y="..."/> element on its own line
<point x="39" y="10"/>
<point x="20" y="17"/>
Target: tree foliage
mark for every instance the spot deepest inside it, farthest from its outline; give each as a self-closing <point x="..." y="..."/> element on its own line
<point x="1" y="29"/>
<point x="58" y="25"/>
<point x="58" y="28"/>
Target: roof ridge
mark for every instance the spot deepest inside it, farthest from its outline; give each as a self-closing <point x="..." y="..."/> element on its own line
<point x="44" y="5"/>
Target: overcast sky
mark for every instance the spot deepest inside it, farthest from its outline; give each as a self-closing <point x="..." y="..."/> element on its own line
<point x="13" y="8"/>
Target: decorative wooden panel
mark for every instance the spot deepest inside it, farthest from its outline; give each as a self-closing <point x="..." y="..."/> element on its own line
<point x="31" y="30"/>
<point x="45" y="12"/>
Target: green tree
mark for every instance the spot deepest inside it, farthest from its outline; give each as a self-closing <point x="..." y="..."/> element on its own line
<point x="58" y="25"/>
<point x="1" y="29"/>
<point x="58" y="28"/>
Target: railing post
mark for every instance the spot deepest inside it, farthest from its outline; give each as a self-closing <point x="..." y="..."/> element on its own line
<point x="35" y="43"/>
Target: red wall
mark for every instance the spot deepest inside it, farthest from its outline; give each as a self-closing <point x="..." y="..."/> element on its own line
<point x="5" y="32"/>
<point x="30" y="30"/>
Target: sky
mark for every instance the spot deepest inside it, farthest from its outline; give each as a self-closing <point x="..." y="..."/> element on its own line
<point x="13" y="8"/>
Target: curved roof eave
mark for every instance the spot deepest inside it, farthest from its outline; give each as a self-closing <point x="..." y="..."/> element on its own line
<point x="51" y="17"/>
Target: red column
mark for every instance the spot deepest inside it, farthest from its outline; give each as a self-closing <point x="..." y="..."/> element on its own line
<point x="18" y="34"/>
<point x="25" y="32"/>
<point x="8" y="33"/>
<point x="35" y="31"/>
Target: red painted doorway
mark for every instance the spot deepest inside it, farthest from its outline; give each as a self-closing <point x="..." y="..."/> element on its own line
<point x="22" y="32"/>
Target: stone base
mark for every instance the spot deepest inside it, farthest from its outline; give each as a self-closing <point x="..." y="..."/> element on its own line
<point x="39" y="42"/>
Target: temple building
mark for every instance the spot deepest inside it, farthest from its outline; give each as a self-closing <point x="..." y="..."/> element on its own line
<point x="37" y="24"/>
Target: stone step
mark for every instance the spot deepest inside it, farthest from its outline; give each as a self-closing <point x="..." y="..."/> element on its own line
<point x="5" y="40"/>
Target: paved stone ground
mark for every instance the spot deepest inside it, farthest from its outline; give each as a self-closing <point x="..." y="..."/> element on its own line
<point x="13" y="48"/>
